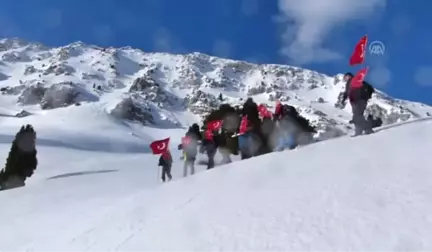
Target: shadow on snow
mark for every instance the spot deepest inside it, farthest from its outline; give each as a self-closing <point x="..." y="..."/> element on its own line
<point x="72" y="174"/>
<point x="97" y="145"/>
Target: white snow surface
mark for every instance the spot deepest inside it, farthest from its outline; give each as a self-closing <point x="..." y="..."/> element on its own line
<point x="364" y="193"/>
<point x="97" y="186"/>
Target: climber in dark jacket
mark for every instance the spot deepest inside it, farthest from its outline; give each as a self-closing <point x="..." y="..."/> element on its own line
<point x="209" y="145"/>
<point x="358" y="97"/>
<point x="250" y="109"/>
<point x="296" y="129"/>
<point x="166" y="161"/>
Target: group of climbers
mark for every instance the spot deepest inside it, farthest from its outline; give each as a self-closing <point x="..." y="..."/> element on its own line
<point x="250" y="131"/>
<point x="253" y="130"/>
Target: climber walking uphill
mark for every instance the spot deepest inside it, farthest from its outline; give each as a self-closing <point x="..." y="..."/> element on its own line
<point x="252" y="141"/>
<point x="294" y="129"/>
<point x="161" y="147"/>
<point x="166" y="161"/>
<point x="358" y="93"/>
<point x="189" y="145"/>
<point x="246" y="145"/>
<point x="209" y="145"/>
<point x="278" y="111"/>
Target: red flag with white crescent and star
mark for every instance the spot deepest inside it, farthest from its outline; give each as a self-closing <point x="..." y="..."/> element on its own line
<point x="358" y="55"/>
<point x="160" y="146"/>
<point x="214" y="125"/>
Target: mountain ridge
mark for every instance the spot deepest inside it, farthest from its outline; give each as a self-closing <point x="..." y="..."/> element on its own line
<point x="161" y="89"/>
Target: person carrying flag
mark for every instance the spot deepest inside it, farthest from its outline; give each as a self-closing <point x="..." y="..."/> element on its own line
<point x="358" y="92"/>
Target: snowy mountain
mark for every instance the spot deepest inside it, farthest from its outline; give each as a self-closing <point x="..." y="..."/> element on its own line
<point x="167" y="91"/>
<point x="97" y="186"/>
<point x="369" y="193"/>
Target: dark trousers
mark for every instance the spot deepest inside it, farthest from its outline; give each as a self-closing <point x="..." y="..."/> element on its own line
<point x="360" y="123"/>
<point x="211" y="162"/>
<point x="166" y="172"/>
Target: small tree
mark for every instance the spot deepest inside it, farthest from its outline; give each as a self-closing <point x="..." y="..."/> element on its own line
<point x="221" y="97"/>
<point x="21" y="161"/>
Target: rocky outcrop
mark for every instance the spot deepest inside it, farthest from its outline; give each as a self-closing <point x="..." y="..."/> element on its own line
<point x="23" y="113"/>
<point x="30" y="70"/>
<point x="88" y="76"/>
<point x="142" y="84"/>
<point x="114" y="83"/>
<point x="257" y="89"/>
<point x="32" y="94"/>
<point x="133" y="108"/>
<point x="165" y="79"/>
<point x="15" y="90"/>
<point x="60" y="95"/>
<point x="200" y="102"/>
<point x="14" y="56"/>
<point x="389" y="116"/>
<point x="59" y="69"/>
<point x="57" y="95"/>
<point x="278" y="96"/>
<point x="150" y="90"/>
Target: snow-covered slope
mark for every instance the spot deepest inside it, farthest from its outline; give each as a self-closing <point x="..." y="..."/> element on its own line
<point x="364" y="193"/>
<point x="162" y="91"/>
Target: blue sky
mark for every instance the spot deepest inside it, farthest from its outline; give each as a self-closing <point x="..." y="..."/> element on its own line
<point x="315" y="34"/>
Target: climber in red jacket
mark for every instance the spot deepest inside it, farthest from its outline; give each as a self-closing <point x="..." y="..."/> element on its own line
<point x="278" y="111"/>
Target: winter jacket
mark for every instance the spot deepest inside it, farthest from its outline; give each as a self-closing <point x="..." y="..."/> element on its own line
<point x="165" y="159"/>
<point x="250" y="108"/>
<point x="278" y="111"/>
<point x="293" y="121"/>
<point x="190" y="150"/>
<point x="355" y="94"/>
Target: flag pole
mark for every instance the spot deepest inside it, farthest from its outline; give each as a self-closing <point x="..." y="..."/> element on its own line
<point x="159" y="173"/>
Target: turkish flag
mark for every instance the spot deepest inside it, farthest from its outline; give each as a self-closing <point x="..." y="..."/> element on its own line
<point x="208" y="134"/>
<point x="357" y="80"/>
<point x="214" y="125"/>
<point x="186" y="140"/>
<point x="278" y="107"/>
<point x="358" y="55"/>
<point x="263" y="111"/>
<point x="160" y="146"/>
<point x="244" y="125"/>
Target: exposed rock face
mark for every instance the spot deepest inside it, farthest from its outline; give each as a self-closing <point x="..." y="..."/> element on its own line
<point x="156" y="85"/>
<point x="59" y="95"/>
<point x="142" y="84"/>
<point x="15" y="90"/>
<point x="132" y="108"/>
<point x="59" y="69"/>
<point x="30" y="70"/>
<point x="201" y="103"/>
<point x="32" y="94"/>
<point x="87" y="76"/>
<point x="149" y="90"/>
<point x="23" y="113"/>
<point x="14" y="56"/>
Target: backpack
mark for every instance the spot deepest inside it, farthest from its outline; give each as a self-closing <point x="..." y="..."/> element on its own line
<point x="368" y="90"/>
<point x="189" y="144"/>
<point x="288" y="110"/>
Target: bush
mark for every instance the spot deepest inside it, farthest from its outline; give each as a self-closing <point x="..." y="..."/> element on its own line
<point x="21" y="161"/>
